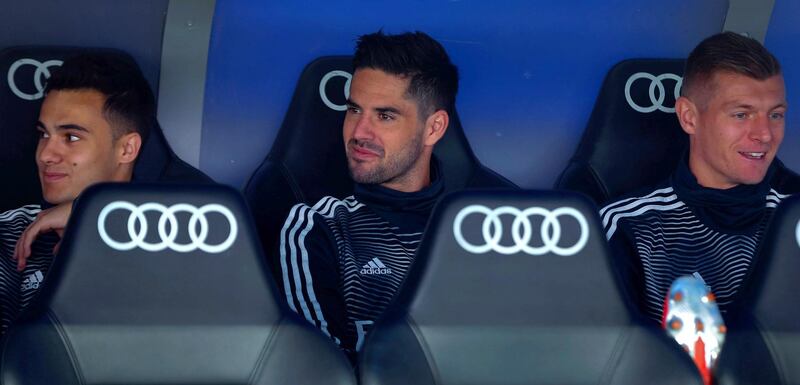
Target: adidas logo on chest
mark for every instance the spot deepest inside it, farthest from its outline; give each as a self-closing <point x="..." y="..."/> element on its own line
<point x="32" y="281"/>
<point x="375" y="267"/>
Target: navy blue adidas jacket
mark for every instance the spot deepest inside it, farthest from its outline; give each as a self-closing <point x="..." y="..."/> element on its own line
<point x="680" y="228"/>
<point x="343" y="260"/>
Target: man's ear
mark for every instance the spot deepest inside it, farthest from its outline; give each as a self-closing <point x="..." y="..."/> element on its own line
<point x="128" y="147"/>
<point x="687" y="114"/>
<point x="435" y="127"/>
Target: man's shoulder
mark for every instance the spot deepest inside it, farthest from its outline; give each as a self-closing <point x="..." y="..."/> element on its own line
<point x="325" y="211"/>
<point x="328" y="205"/>
<point x="639" y="205"/>
<point x="25" y="213"/>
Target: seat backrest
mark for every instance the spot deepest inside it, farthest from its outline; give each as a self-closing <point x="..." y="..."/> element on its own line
<point x="764" y="328"/>
<point x="517" y="288"/>
<point x="633" y="138"/>
<point x="164" y="284"/>
<point x="25" y="71"/>
<point x="157" y="162"/>
<point x="307" y="160"/>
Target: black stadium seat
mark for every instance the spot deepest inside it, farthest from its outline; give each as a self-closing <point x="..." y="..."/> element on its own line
<point x="633" y="138"/>
<point x="307" y="160"/>
<point x="483" y="307"/>
<point x="25" y="71"/>
<point x="158" y="163"/>
<point x="761" y="346"/>
<point x="160" y="284"/>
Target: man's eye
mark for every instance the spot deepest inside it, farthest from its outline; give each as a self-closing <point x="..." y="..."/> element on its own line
<point x="353" y="110"/>
<point x="776" y="116"/>
<point x="385" y="116"/>
<point x="73" y="138"/>
<point x="44" y="135"/>
<point x="740" y="115"/>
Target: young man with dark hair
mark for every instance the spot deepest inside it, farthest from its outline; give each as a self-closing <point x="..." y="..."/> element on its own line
<point x="97" y="112"/>
<point x="709" y="217"/>
<point x="342" y="260"/>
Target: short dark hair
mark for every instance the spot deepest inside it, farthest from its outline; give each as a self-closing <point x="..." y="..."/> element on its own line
<point x="433" y="78"/>
<point x="729" y="52"/>
<point x="130" y="104"/>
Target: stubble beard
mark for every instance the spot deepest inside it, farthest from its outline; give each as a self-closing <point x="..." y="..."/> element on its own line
<point x="391" y="168"/>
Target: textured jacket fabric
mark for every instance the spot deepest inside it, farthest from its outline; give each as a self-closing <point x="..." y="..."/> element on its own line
<point x="17" y="289"/>
<point x="343" y="260"/>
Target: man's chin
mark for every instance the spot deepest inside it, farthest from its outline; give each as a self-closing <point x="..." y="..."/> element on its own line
<point x="56" y="198"/>
<point x="363" y="176"/>
<point x="753" y="178"/>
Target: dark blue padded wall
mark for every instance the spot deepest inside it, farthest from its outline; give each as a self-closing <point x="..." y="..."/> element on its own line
<point x="530" y="70"/>
<point x="782" y="39"/>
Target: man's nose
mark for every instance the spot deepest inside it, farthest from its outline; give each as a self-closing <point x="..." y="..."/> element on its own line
<point x="761" y="130"/>
<point x="49" y="151"/>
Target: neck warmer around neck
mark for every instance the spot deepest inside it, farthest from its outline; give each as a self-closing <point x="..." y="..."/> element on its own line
<point x="738" y="209"/>
<point x="407" y="210"/>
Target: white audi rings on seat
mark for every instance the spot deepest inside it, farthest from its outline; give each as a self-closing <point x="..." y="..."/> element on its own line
<point x="521" y="230"/>
<point x="167" y="240"/>
<point x="42" y="71"/>
<point x="324" y="83"/>
<point x="655" y="82"/>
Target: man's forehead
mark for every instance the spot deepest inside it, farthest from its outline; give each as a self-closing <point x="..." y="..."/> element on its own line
<point x="377" y="81"/>
<point x="372" y="88"/>
<point x="731" y="87"/>
<point x="78" y="107"/>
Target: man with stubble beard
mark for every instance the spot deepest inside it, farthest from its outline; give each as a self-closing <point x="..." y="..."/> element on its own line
<point x="342" y="260"/>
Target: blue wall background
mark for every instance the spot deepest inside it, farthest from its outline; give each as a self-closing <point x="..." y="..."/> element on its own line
<point x="783" y="40"/>
<point x="530" y="71"/>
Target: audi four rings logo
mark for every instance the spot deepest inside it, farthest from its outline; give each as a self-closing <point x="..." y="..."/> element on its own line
<point x="521" y="230"/>
<point x="167" y="239"/>
<point x="657" y="102"/>
<point x="323" y="94"/>
<point x="42" y="72"/>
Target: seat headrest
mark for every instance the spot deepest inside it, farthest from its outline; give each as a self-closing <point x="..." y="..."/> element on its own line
<point x="515" y="258"/>
<point x="309" y="144"/>
<point x="633" y="138"/>
<point x="133" y="251"/>
<point x="518" y="283"/>
<point x="164" y="284"/>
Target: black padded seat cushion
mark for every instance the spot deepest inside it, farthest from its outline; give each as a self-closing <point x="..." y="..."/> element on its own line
<point x="622" y="149"/>
<point x="467" y="317"/>
<point x="115" y="315"/>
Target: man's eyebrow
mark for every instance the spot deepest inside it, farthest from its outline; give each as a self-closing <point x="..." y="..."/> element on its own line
<point x="39" y="125"/>
<point x="388" y="109"/>
<point x="71" y="127"/>
<point x="780" y="105"/>
<point x="380" y="110"/>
